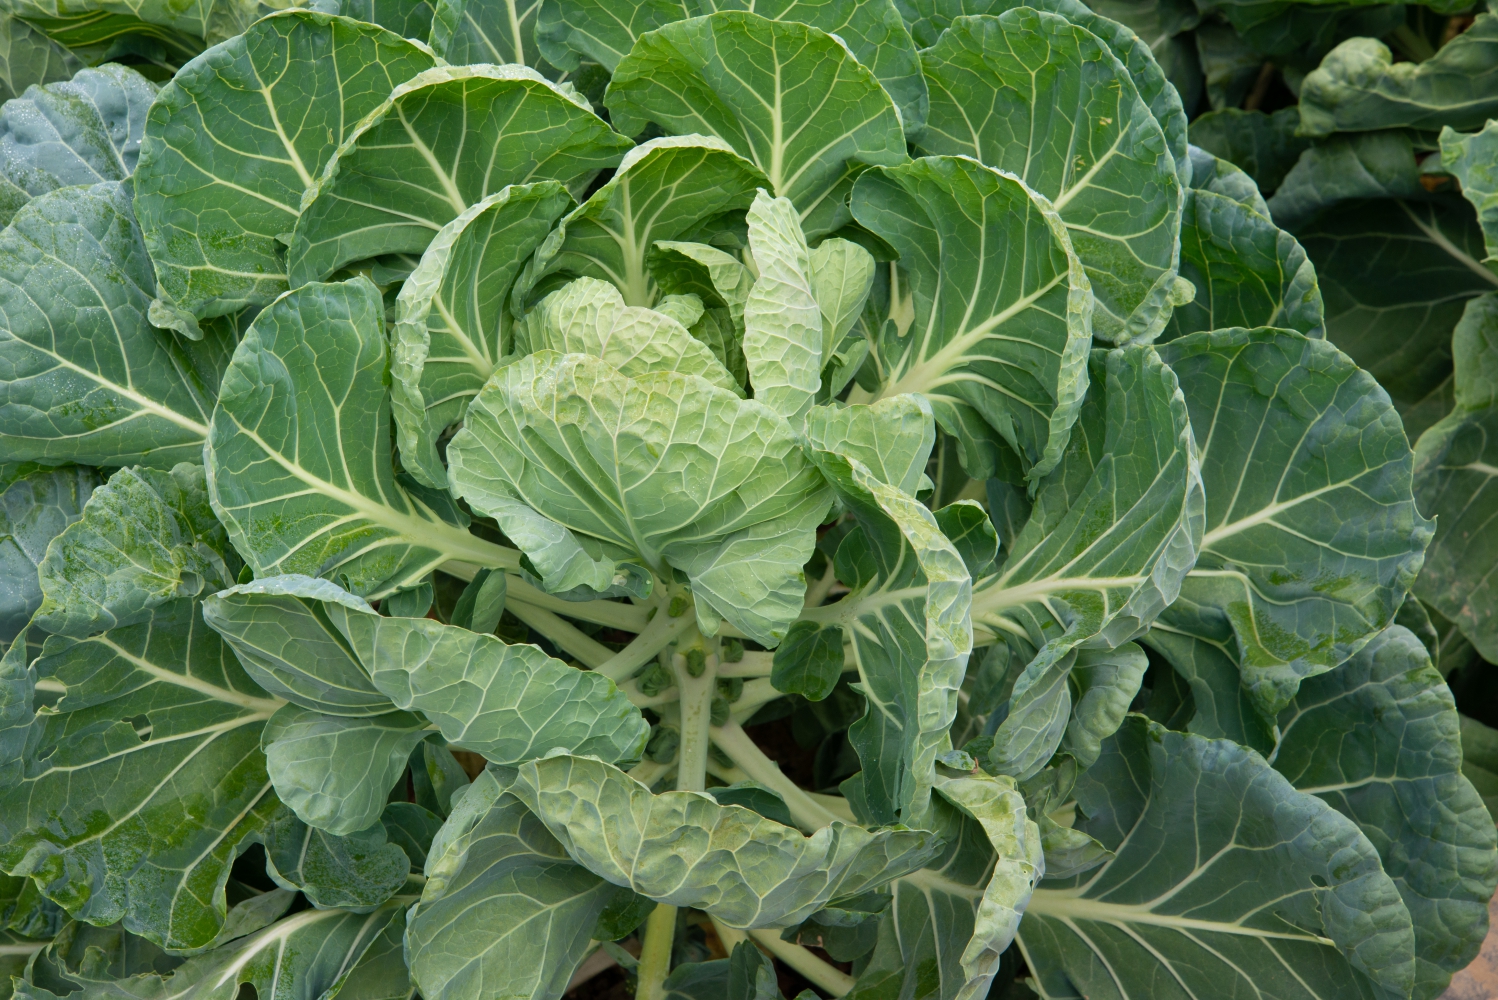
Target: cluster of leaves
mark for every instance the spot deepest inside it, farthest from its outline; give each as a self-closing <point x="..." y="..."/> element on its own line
<point x="610" y="392"/>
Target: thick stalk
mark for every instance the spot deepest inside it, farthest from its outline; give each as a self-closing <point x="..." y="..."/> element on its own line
<point x="655" y="953"/>
<point x="628" y="617"/>
<point x="819" y="973"/>
<point x="806" y="812"/>
<point x="658" y="634"/>
<point x="752" y="665"/>
<point x="568" y="637"/>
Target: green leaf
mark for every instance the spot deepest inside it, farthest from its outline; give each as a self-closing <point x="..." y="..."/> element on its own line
<point x="82" y="131"/>
<point x="1224" y="879"/>
<point x="1106" y="685"/>
<point x="733" y="504"/>
<point x="663" y="190"/>
<point x="1264" y="145"/>
<point x="783" y="335"/>
<point x="156" y="722"/>
<point x="907" y="617"/>
<point x="683" y="848"/>
<point x="508" y="703"/>
<point x="1473" y="159"/>
<point x="85" y="377"/>
<point x="464" y="32"/>
<point x="312" y="368"/>
<point x="1358" y="86"/>
<point x="237" y="137"/>
<point x="787" y="96"/>
<point x="412" y="828"/>
<point x="752" y="795"/>
<point x="505" y="912"/>
<point x="441" y="143"/>
<point x="482" y="602"/>
<point x="950" y="921"/>
<point x="1001" y="308"/>
<point x="214" y="20"/>
<point x="1345" y="168"/>
<point x="407" y="18"/>
<point x="1104" y="166"/>
<point x="808" y="661"/>
<point x="278" y="629"/>
<point x="1312" y="537"/>
<point x="1480" y="759"/>
<point x="842" y="274"/>
<point x="146" y="537"/>
<point x="336" y="772"/>
<point x="588" y="316"/>
<point x="1223" y="707"/>
<point x="1112" y="534"/>
<point x="1454" y="479"/>
<point x="1379" y="740"/>
<point x="28" y="56"/>
<point x="1247" y="271"/>
<point x="451" y="324"/>
<point x="357" y="872"/>
<point x="36" y="505"/>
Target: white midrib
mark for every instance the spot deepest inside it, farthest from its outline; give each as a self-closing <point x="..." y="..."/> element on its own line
<point x="989" y="601"/>
<point x="276" y="937"/>
<point x="228" y="697"/>
<point x="1063" y="904"/>
<point x="1264" y="515"/>
<point x="148" y="405"/>
<point x="1439" y="239"/>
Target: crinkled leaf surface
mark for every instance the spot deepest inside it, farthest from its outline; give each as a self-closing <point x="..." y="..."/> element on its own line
<point x="1001" y="307"/>
<point x="356" y="872"/>
<point x="238" y="136"/>
<point x="441" y="143"/>
<point x="790" y="98"/>
<point x="299" y="459"/>
<point x="684" y="849"/>
<point x="1188" y="819"/>
<point x="36" y="504"/>
<point x="451" y="321"/>
<point x="83" y="376"/>
<point x="1312" y="537"/>
<point x="783" y="335"/>
<point x="139" y="787"/>
<point x="1033" y="94"/>
<point x="665" y="469"/>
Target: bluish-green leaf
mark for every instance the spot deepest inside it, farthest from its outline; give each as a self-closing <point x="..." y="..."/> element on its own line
<point x="36" y="504"/>
<point x="357" y="872"/>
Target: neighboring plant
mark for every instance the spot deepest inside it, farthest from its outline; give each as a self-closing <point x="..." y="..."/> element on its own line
<point x="624" y="399"/>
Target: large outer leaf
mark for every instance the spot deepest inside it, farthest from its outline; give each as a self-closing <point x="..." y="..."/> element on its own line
<point x="36" y="504"/>
<point x="605" y="31"/>
<point x="1455" y="465"/>
<point x="1474" y="161"/>
<point x="1379" y="740"/>
<point x="665" y="469"/>
<point x="684" y="849"/>
<point x="1031" y="93"/>
<point x="1247" y="271"/>
<point x="1001" y="305"/>
<point x="907" y="616"/>
<point x="1359" y="86"/>
<point x="139" y="788"/>
<point x="441" y="143"/>
<point x="505" y="911"/>
<point x="1312" y="536"/>
<point x="663" y="190"/>
<point x="950" y="921"/>
<point x="299" y="458"/>
<point x="1395" y="276"/>
<point x="28" y="56"/>
<point x="1225" y="880"/>
<point x="238" y="136"/>
<point x="146" y="537"/>
<point x="82" y="131"/>
<point x="788" y="97"/>
<point x="1345" y="168"/>
<point x="83" y="376"/>
<point x="451" y="321"/>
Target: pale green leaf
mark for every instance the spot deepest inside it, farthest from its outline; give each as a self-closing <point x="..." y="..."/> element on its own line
<point x="505" y="911"/>
<point x="842" y="273"/>
<point x="666" y="468"/>
<point x="680" y="267"/>
<point x="787" y="96"/>
<point x="357" y="872"/>
<point x="36" y="504"/>
<point x="783" y="335"/>
<point x="997" y="84"/>
<point x="146" y="537"/>
<point x="85" y="377"/>
<point x="412" y="827"/>
<point x="684" y="849"/>
<point x="1225" y="880"/>
<point x="334" y="772"/>
<point x="891" y="438"/>
<point x="1358" y="86"/>
<point x="82" y="131"/>
<point x="28" y="56"/>
<point x="1312" y="537"/>
<point x="156" y="721"/>
<point x="299" y="459"/>
<point x="663" y="190"/>
<point x="237" y="137"/>
<point x="1000" y="314"/>
<point x="1473" y="159"/>
<point x="442" y="142"/>
<point x="451" y="321"/>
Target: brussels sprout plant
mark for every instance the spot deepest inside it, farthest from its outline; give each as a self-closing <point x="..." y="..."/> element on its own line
<point x="834" y="493"/>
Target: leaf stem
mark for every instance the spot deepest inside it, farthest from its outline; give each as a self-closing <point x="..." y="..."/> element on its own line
<point x="696" y="701"/>
<point x="752" y="665"/>
<point x="655" y="953"/>
<point x="807" y="813"/>
<point x="660" y="632"/>
<point x="611" y="613"/>
<point x="567" y="636"/>
<point x="819" y="973"/>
